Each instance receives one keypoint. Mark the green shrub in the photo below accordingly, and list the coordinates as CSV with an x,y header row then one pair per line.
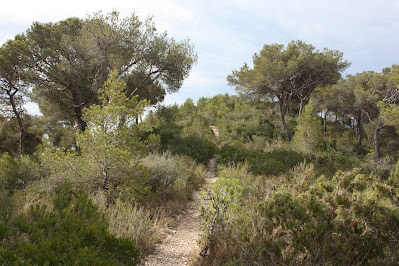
x,y
271,163
129,180
73,232
328,163
173,177
349,220
17,172
199,148
225,197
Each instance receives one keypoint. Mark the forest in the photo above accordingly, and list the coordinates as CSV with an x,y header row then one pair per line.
x,y
307,159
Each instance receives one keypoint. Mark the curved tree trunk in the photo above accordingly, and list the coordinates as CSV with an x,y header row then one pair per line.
x,y
377,140
77,109
325,120
359,128
20,124
300,107
286,130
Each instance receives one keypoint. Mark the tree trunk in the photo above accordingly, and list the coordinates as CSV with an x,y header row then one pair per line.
x,y
284,126
377,140
20,124
77,109
325,121
359,128
300,108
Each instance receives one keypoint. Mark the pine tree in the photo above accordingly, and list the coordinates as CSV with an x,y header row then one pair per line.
x,y
111,138
309,132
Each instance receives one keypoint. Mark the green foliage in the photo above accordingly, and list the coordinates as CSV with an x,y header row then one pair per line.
x,y
182,135
109,148
173,177
111,139
309,133
17,172
310,221
83,52
390,113
73,232
224,197
129,181
270,163
328,163
10,134
288,74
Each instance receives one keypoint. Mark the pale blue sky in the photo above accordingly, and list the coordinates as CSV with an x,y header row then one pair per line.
x,y
227,33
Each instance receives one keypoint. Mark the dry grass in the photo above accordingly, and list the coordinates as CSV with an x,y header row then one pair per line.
x,y
131,221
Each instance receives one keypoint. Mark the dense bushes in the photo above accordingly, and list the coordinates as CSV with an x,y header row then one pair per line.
x,y
274,162
173,177
17,172
181,133
73,231
198,148
135,190
351,219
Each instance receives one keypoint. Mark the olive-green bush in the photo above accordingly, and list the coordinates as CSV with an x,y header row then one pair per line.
x,y
73,232
173,177
348,220
271,163
17,172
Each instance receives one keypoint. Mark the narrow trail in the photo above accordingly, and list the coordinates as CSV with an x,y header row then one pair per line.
x,y
180,245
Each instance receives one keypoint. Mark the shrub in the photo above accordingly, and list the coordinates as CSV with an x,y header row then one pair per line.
x,y
17,172
130,221
328,163
271,163
173,177
351,219
129,180
198,148
73,232
225,197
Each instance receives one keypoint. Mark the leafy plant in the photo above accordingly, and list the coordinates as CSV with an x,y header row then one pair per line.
x,y
307,221
73,232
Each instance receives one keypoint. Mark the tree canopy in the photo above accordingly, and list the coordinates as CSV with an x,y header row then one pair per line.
x,y
74,57
288,74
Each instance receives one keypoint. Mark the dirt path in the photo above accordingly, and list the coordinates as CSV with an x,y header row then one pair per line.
x,y
180,245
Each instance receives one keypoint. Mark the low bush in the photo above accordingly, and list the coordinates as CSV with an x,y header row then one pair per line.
x,y
328,163
173,177
128,180
197,146
127,220
17,172
74,231
271,163
349,220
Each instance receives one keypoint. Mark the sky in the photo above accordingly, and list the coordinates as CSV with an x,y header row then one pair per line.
x,y
225,34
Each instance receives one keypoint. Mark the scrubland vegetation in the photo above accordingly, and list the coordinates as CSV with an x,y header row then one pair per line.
x,y
307,159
